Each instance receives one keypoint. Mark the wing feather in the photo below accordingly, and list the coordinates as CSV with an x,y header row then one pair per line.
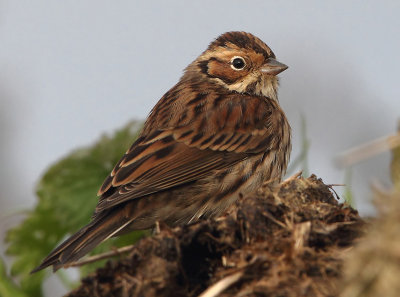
x,y
223,133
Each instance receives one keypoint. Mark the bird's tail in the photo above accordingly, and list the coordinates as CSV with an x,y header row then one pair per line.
x,y
102,227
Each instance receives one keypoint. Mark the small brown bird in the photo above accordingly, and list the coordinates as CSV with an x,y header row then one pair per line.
x,y
218,134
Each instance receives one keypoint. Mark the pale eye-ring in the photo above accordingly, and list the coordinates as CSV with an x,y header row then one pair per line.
x,y
237,63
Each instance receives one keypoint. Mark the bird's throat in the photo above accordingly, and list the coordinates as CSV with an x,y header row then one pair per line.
x,y
268,87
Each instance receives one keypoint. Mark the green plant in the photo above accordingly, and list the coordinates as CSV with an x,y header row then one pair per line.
x,y
301,161
348,192
66,199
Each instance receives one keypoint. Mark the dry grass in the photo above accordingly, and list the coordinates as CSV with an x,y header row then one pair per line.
x,y
373,266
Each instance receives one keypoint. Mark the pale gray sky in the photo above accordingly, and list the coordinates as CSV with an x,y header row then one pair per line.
x,y
72,70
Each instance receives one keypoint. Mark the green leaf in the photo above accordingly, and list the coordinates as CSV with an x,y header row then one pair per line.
x,y
7,286
66,200
301,161
348,192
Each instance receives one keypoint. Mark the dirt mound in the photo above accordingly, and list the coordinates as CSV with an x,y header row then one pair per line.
x,y
283,242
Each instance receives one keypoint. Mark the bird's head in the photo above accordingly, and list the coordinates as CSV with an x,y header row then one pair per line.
x,y
241,63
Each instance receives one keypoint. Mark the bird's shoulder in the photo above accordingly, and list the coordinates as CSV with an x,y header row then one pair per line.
x,y
210,108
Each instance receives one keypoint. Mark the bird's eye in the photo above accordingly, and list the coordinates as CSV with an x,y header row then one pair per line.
x,y
237,63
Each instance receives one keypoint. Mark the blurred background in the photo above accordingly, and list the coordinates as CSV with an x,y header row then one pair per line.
x,y
73,70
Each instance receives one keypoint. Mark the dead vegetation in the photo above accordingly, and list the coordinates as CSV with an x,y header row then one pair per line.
x,y
289,241
372,268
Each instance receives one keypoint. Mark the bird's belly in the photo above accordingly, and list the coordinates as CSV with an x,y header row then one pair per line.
x,y
226,186
207,197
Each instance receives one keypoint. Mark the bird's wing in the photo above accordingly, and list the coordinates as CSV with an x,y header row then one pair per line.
x,y
217,138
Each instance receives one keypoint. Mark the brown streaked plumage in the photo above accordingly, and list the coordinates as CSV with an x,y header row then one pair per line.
x,y
217,134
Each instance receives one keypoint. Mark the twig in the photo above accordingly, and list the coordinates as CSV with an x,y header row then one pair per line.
x,y
157,229
101,256
222,285
333,190
294,176
269,216
368,150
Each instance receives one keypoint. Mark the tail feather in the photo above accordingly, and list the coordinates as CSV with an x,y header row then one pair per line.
x,y
104,226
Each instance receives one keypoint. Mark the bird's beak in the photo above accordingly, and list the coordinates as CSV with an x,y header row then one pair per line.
x,y
273,67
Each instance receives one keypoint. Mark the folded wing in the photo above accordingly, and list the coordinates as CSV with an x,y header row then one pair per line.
x,y
218,137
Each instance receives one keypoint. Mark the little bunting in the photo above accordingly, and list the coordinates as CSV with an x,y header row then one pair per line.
x,y
217,135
